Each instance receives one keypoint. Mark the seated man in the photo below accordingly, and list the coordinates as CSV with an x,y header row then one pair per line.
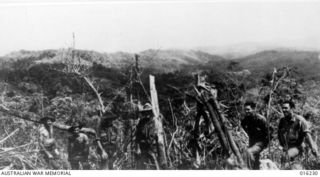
x,y
292,131
255,126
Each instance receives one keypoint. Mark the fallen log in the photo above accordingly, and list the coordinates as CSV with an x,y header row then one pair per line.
x,y
35,118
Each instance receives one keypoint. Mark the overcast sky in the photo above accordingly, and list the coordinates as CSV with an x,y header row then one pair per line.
x,y
135,26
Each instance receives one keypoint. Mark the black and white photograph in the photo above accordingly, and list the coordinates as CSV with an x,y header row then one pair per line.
x,y
159,85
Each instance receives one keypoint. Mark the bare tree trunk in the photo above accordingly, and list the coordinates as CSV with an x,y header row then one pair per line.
x,y
20,115
89,82
196,129
233,145
222,137
158,124
200,81
218,119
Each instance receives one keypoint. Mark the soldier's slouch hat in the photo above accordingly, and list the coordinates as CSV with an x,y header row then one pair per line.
x,y
45,118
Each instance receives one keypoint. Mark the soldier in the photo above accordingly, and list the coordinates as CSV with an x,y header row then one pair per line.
x,y
48,144
107,144
292,131
146,138
256,127
78,148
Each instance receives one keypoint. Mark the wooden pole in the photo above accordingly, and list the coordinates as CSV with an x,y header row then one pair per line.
x,y
157,118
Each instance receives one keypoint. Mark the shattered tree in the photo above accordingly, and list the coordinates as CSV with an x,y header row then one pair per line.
x,y
207,99
157,119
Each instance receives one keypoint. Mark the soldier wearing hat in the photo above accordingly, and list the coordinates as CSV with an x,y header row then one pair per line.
x,y
78,148
48,144
146,138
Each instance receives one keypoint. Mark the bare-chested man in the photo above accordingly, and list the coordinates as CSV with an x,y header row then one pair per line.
x,y
78,148
48,144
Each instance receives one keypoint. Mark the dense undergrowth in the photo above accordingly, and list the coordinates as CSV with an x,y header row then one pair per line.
x,y
44,89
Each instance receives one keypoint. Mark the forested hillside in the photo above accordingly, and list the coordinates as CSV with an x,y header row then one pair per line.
x,y
64,84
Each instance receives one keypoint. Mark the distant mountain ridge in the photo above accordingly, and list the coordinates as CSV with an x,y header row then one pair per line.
x,y
306,62
160,60
249,48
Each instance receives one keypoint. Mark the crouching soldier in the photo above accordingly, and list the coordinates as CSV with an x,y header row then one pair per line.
x,y
48,144
292,131
256,127
78,148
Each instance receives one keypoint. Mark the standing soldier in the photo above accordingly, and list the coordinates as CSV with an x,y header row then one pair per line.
x,y
256,127
107,144
78,148
48,143
146,138
292,131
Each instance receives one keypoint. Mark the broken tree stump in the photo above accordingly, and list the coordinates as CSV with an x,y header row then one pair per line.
x,y
157,119
221,135
227,131
208,97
